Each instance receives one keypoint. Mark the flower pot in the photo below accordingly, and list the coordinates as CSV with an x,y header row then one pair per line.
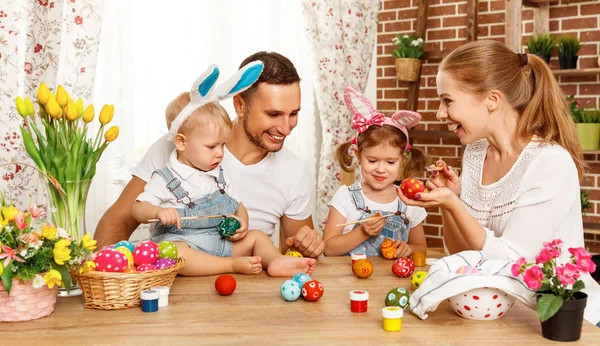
x,y
567,62
589,135
566,324
546,58
25,302
408,69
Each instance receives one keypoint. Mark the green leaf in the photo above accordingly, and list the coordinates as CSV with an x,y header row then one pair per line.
x,y
545,286
577,286
548,305
7,276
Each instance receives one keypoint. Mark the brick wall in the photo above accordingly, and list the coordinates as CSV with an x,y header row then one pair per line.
x,y
446,30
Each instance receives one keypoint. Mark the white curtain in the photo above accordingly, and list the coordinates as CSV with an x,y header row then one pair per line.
x,y
151,51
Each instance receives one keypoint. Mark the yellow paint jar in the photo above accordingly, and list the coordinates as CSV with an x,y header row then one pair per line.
x,y
392,318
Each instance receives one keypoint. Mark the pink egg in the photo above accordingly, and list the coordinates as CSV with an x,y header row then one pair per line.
x,y
145,267
164,263
145,252
109,260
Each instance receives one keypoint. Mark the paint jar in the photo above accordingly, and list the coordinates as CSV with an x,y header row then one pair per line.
x,y
149,300
419,258
392,318
164,295
359,301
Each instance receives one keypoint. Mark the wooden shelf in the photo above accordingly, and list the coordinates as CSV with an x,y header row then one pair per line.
x,y
591,151
578,72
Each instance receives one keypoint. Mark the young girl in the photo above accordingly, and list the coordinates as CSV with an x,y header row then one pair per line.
x,y
194,184
381,148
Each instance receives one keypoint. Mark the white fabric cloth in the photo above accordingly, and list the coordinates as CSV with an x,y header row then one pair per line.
x,y
442,281
277,185
342,202
197,183
538,200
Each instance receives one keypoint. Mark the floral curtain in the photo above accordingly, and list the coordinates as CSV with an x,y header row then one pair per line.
x,y
55,42
342,34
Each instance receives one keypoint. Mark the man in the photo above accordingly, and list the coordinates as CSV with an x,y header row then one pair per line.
x,y
272,182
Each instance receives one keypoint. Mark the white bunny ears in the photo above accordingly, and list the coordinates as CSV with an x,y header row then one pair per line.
x,y
204,90
365,115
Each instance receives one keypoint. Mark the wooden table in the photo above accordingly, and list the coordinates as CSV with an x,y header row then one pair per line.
x,y
257,315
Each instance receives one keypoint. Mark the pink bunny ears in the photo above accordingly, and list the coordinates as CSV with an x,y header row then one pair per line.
x,y
365,115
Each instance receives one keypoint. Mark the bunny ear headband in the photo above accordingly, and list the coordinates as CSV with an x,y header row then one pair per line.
x,y
365,115
204,90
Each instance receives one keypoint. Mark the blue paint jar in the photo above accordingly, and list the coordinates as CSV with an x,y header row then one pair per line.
x,y
149,300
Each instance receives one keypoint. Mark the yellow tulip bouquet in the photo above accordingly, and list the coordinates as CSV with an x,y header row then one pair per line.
x,y
62,150
32,249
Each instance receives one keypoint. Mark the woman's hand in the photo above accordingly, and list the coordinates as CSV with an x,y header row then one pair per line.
x,y
373,227
403,249
446,177
242,231
441,197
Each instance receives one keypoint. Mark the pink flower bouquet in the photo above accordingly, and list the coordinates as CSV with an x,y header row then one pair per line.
x,y
554,282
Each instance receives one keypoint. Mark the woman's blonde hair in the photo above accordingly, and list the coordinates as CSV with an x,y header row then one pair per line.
x,y
486,65
210,114
412,165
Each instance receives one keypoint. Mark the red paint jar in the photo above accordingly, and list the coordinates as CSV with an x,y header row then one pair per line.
x,y
355,257
359,301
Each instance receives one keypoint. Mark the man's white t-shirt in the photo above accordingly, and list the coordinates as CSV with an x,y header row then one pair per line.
x,y
277,185
342,202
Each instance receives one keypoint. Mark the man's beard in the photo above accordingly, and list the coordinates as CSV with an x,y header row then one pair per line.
x,y
257,140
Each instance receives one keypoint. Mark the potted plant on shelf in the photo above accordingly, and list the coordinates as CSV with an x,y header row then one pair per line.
x,y
408,50
585,202
568,46
560,302
587,122
541,45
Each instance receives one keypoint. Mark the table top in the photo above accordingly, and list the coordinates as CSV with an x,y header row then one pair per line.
x,y
257,315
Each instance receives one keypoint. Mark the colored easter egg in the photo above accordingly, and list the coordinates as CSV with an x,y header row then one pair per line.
x,y
124,243
301,278
468,270
290,290
397,297
417,278
403,267
225,284
228,226
125,251
109,260
411,186
145,252
312,290
145,267
164,263
130,269
363,268
388,250
167,249
293,253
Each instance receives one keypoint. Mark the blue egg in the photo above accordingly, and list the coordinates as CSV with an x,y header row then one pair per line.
x,y
301,279
290,290
125,243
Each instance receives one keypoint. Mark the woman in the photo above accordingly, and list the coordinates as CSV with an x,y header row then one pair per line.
x,y
522,162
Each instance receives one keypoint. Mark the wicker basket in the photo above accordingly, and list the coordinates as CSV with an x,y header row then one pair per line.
x,y
111,291
408,69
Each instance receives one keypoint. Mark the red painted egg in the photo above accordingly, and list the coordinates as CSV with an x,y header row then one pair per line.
x,y
145,252
225,284
312,290
411,186
403,267
109,260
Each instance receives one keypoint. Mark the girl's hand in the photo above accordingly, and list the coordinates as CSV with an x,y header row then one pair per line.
x,y
373,227
404,250
441,197
242,231
445,178
169,216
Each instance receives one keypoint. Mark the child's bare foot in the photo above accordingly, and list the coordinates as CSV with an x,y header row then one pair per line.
x,y
288,266
247,265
